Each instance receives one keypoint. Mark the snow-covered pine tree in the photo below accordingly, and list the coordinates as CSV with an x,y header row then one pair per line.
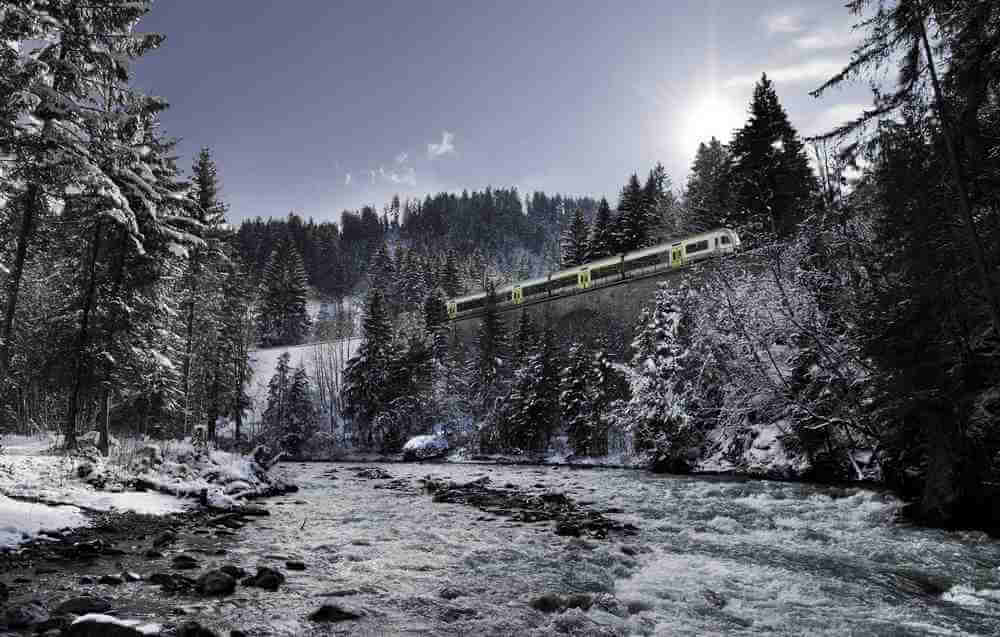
x,y
533,407
436,324
602,241
452,281
575,245
708,199
657,413
367,373
771,174
575,400
661,209
283,319
491,345
302,419
276,414
632,227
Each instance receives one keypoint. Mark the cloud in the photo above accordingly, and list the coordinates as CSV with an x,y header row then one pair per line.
x,y
445,147
783,23
347,179
825,39
401,158
406,177
812,71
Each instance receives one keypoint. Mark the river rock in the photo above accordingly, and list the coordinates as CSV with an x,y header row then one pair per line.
x,y
110,580
335,613
83,605
164,539
216,582
548,603
194,629
234,571
25,615
184,562
450,593
295,565
267,578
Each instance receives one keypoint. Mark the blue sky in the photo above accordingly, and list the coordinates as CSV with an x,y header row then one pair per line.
x,y
317,106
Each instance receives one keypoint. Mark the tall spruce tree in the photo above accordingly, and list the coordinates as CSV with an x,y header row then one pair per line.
x,y
491,345
773,182
603,242
632,226
708,199
283,319
367,373
575,242
575,400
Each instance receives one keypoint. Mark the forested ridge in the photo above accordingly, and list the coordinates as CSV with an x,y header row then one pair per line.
x,y
862,346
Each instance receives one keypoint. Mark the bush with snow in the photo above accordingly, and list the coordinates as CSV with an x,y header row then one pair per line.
x,y
425,447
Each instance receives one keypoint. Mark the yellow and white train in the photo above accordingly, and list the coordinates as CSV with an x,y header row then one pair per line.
x,y
674,254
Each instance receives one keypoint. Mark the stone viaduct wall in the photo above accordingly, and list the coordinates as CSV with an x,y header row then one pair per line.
x,y
604,315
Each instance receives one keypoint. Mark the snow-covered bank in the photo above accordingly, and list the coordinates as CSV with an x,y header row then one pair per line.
x,y
42,489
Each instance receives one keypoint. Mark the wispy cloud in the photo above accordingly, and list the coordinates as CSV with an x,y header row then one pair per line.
x,y
825,39
790,22
406,177
347,179
810,71
401,158
445,147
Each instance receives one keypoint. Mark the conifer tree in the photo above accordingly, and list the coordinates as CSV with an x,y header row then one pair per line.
x,y
491,345
632,226
575,401
575,244
708,199
367,373
661,207
302,419
602,241
773,181
534,397
451,280
283,319
276,414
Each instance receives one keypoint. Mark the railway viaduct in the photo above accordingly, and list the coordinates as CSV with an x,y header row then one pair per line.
x,y
603,315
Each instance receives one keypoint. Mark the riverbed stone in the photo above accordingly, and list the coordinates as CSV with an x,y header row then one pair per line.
x,y
83,605
295,565
104,626
233,571
110,580
328,613
184,562
451,592
25,615
216,582
267,578
548,603
194,629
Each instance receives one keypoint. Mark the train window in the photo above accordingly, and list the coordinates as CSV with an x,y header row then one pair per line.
x,y
725,239
696,247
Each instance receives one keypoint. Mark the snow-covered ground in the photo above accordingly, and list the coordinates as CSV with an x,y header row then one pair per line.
x,y
41,490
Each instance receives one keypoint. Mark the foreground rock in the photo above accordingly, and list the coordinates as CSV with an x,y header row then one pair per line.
x,y
328,613
267,578
216,583
83,606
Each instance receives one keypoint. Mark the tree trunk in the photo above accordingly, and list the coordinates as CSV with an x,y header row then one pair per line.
x,y
28,214
81,341
104,442
965,208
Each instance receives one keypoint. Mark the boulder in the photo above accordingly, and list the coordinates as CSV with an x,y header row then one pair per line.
x,y
25,615
194,629
425,448
216,582
184,562
83,606
267,578
335,613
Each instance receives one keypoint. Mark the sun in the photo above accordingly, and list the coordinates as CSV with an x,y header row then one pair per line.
x,y
704,116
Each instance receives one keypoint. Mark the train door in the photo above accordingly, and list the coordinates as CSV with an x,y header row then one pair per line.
x,y
452,309
583,278
517,295
676,255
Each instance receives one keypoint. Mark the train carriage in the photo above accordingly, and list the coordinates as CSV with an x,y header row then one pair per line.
x,y
672,254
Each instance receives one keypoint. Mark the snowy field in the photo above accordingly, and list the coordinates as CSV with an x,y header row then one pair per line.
x,y
263,362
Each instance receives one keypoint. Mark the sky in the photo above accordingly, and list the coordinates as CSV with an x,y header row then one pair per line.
x,y
315,106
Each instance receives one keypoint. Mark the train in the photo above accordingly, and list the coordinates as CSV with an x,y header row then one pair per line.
x,y
673,254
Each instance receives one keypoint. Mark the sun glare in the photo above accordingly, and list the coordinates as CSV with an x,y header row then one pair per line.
x,y
705,116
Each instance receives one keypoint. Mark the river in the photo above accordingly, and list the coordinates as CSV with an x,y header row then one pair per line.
x,y
711,556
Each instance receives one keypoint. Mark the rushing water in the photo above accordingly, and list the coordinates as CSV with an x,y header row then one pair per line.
x,y
713,556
